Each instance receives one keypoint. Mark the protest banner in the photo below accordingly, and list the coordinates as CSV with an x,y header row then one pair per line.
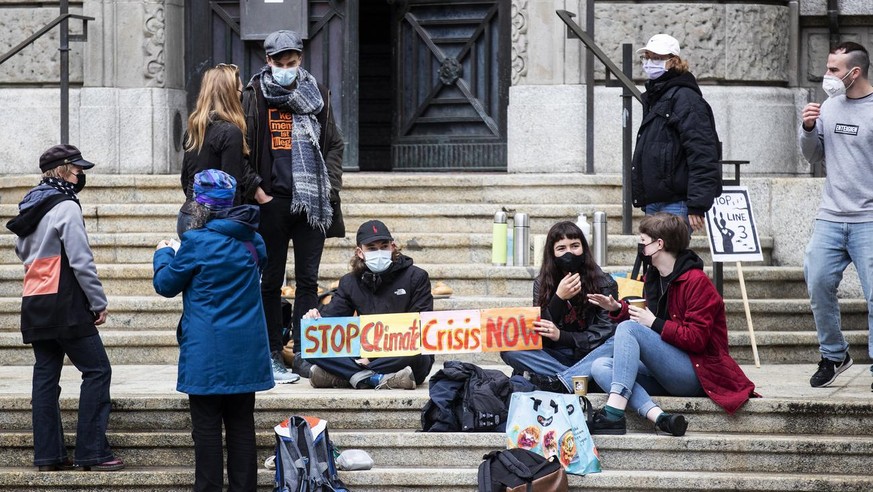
x,y
732,233
505,329
450,332
331,337
390,335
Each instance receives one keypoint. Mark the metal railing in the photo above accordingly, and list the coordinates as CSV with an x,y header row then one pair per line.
x,y
64,48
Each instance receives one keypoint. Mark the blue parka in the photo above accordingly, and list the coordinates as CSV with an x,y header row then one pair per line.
x,y
223,333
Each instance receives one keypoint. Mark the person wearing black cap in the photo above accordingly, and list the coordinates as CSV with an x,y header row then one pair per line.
x,y
382,281
62,304
286,108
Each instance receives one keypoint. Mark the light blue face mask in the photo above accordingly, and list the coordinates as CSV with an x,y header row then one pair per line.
x,y
284,76
378,261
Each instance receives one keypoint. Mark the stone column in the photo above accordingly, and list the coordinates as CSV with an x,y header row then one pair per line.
x,y
546,116
127,104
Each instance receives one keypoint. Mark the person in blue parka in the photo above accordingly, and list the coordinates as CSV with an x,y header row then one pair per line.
x,y
224,352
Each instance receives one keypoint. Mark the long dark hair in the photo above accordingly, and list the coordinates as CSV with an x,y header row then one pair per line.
x,y
551,274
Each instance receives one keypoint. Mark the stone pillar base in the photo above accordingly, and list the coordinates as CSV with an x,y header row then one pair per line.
x,y
123,131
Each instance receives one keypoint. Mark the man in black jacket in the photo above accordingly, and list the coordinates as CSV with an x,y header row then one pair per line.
x,y
382,281
676,159
297,151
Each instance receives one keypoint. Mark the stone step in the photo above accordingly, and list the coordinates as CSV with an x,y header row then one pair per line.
x,y
401,218
144,400
703,452
573,188
181,479
433,248
136,279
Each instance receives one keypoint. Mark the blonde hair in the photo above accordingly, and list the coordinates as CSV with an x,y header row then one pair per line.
x,y
680,65
60,172
218,100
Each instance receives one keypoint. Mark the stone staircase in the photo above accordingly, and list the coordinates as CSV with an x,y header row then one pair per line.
x,y
795,439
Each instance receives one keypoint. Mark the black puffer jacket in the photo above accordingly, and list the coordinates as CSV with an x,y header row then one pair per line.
x,y
676,155
403,288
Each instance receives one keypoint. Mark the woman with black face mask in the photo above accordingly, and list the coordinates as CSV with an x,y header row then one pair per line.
x,y
575,332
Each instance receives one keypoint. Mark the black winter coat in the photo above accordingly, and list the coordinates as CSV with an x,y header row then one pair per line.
x,y
676,155
260,160
403,288
582,335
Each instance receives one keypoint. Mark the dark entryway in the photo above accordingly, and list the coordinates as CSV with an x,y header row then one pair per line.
x,y
376,86
416,85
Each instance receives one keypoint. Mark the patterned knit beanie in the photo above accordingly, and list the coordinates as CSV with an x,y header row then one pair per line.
x,y
214,189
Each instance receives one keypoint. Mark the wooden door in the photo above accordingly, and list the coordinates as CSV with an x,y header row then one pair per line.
x,y
452,66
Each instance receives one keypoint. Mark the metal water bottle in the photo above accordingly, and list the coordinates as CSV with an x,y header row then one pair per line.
x,y
521,241
600,237
498,239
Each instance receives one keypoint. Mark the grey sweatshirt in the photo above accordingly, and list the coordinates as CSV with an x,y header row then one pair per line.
x,y
843,138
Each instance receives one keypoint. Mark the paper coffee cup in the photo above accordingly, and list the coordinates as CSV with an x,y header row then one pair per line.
x,y
640,303
580,385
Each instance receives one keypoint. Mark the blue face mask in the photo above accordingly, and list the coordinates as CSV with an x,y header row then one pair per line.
x,y
284,76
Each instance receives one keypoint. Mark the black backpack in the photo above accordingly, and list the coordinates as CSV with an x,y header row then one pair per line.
x,y
304,463
520,470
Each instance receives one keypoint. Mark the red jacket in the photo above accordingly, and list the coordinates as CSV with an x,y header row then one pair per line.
x,y
697,325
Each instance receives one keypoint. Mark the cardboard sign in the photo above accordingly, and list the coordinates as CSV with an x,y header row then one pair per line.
x,y
731,228
330,337
506,329
450,332
390,335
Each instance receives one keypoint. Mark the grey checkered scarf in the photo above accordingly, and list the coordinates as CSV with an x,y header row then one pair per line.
x,y
311,193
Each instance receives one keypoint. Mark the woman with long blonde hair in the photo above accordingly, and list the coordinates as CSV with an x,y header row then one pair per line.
x,y
215,138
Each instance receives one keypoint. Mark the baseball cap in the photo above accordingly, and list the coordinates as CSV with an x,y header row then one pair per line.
x,y
372,231
662,44
280,41
60,155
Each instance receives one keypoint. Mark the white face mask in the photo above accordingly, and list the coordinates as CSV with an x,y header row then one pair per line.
x,y
654,68
378,261
834,86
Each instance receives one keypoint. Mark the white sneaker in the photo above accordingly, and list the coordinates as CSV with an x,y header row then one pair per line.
x,y
281,374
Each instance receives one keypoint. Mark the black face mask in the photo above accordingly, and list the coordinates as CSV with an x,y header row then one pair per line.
x,y
646,259
570,263
80,183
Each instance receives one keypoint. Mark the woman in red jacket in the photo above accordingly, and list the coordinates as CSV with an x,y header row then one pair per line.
x,y
677,345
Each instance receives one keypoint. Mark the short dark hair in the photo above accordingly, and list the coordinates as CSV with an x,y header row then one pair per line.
x,y
669,228
858,56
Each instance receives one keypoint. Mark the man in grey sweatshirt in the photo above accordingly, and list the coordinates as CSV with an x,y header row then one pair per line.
x,y
839,133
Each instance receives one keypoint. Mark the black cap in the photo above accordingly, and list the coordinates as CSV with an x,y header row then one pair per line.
x,y
280,41
372,231
60,155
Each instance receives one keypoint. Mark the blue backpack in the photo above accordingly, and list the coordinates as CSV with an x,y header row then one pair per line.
x,y
304,457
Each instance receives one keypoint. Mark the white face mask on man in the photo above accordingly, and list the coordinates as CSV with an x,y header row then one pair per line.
x,y
834,86
654,68
378,261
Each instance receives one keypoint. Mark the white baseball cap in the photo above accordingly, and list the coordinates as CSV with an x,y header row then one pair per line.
x,y
662,44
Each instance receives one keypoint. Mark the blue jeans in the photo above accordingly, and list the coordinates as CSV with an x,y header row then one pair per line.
x,y
89,357
556,361
676,208
831,248
642,364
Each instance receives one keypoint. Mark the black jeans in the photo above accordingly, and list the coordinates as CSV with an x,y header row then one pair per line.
x,y
346,367
89,357
278,226
237,412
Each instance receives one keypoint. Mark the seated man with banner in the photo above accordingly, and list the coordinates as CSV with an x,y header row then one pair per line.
x,y
382,280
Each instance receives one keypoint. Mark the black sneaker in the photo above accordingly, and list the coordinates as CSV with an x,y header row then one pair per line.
x,y
828,370
547,383
672,424
600,425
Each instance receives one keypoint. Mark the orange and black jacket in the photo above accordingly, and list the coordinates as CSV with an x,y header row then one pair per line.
x,y
61,290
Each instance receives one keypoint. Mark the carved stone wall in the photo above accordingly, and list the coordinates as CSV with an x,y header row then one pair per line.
x,y
519,41
847,7
723,42
40,62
